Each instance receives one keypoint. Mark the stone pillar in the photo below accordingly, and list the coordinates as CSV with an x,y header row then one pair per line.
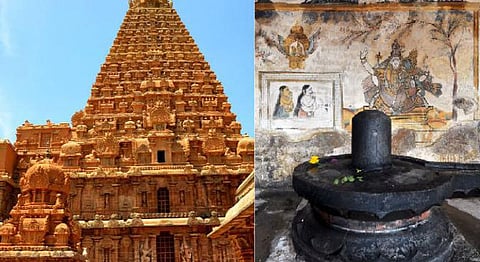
x,y
125,248
96,249
152,204
137,198
202,195
230,249
221,250
190,195
33,196
205,248
136,247
178,239
173,196
153,246
214,249
195,248
116,248
196,194
207,194
115,199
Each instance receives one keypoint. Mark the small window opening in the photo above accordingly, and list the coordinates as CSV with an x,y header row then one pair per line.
x,y
161,156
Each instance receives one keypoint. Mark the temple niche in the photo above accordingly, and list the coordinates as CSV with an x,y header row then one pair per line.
x,y
149,166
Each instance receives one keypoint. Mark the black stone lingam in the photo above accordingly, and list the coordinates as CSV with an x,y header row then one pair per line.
x,y
372,206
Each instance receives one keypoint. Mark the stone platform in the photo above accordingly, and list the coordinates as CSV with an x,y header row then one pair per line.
x,y
275,209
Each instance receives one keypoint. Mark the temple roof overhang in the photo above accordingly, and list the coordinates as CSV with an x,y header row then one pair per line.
x,y
240,213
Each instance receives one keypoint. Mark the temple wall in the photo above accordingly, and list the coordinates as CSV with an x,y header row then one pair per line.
x,y
124,196
8,157
141,244
8,188
318,65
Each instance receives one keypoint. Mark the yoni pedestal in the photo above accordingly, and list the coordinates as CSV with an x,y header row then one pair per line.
x,y
372,206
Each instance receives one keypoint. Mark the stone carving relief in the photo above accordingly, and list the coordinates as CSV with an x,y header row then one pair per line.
x,y
40,218
34,230
186,253
108,145
136,220
159,117
188,125
62,233
146,251
77,118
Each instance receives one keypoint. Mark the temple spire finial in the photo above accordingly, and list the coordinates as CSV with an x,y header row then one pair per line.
x,y
150,3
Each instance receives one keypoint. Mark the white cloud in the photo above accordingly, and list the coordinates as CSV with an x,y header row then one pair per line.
x,y
5,42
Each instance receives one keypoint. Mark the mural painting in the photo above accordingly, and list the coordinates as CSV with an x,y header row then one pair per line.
x,y
401,62
297,46
396,85
300,100
284,105
305,107
418,64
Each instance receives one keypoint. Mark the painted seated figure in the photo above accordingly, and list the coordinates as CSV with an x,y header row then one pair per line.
x,y
397,85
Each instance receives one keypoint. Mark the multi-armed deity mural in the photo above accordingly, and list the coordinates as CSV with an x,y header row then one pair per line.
x,y
417,63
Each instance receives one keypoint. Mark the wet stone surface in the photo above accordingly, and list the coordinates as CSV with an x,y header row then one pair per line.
x,y
406,174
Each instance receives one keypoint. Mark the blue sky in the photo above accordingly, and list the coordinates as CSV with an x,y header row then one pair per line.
x,y
52,50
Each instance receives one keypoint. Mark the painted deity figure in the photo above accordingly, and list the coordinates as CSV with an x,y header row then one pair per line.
x,y
396,85
296,48
284,105
306,103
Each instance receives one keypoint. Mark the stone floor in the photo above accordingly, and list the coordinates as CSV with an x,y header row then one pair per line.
x,y
275,209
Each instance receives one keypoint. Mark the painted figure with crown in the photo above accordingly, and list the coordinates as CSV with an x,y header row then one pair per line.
x,y
396,85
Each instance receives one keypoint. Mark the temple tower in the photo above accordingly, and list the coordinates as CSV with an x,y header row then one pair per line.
x,y
156,156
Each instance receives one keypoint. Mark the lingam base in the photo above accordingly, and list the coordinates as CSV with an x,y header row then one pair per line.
x,y
318,240
371,206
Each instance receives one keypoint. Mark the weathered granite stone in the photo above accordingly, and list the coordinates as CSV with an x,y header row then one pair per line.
x,y
277,154
461,140
403,140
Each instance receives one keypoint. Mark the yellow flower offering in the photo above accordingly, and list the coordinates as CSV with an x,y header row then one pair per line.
x,y
314,160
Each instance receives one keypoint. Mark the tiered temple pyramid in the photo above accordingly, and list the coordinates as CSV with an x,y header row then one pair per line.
x,y
154,161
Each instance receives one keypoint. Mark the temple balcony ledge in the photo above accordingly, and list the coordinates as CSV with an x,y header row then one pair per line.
x,y
132,171
155,170
150,222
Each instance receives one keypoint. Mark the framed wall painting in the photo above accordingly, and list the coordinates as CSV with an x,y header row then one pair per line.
x,y
299,100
